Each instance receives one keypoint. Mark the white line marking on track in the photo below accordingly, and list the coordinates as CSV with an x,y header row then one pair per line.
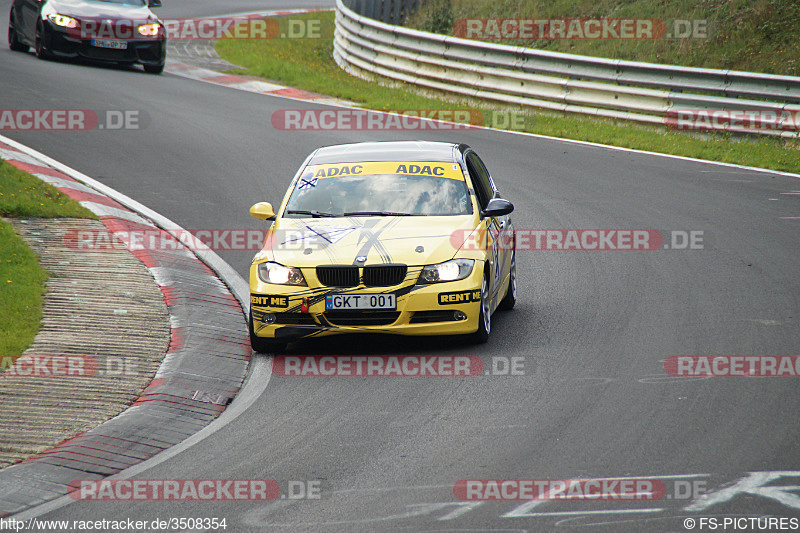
x,y
577,513
766,322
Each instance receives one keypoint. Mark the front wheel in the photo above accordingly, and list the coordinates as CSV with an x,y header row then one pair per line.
x,y
41,49
485,315
262,345
13,39
154,69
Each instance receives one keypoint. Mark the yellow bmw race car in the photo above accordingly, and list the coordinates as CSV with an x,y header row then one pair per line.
x,y
409,238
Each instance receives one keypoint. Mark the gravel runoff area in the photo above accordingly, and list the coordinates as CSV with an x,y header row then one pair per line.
x,y
103,314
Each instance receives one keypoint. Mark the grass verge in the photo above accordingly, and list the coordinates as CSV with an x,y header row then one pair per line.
x,y
308,64
22,280
748,35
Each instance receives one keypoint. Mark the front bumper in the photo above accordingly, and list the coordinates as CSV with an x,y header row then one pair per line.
x,y
421,309
145,51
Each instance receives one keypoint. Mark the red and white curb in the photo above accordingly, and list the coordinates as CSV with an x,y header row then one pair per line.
x,y
249,85
204,368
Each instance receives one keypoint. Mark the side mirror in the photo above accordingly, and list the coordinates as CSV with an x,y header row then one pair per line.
x,y
154,3
497,207
262,211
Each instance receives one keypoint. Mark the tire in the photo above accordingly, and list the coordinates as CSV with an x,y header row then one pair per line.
x,y
485,315
262,345
508,301
41,51
13,39
154,69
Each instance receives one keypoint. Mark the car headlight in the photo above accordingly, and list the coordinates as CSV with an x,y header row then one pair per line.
x,y
278,274
150,30
63,20
452,270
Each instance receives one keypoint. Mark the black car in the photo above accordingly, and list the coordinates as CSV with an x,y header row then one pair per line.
x,y
115,31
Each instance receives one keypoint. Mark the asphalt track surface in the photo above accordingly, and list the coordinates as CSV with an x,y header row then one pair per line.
x,y
593,327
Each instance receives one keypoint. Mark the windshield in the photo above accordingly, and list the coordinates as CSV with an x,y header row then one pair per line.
x,y
375,189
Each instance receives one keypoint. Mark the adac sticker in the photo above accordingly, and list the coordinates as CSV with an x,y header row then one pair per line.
x,y
408,168
269,301
460,297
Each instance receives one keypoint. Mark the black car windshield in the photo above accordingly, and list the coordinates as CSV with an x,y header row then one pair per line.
x,y
380,189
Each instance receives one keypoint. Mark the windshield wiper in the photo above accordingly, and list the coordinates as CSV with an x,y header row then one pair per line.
x,y
376,214
313,213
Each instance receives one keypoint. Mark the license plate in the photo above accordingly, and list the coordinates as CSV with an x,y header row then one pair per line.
x,y
105,43
360,302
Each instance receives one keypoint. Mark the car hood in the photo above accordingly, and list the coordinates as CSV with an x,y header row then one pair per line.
x,y
409,240
95,10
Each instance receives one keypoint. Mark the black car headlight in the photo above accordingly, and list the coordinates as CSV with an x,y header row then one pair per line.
x,y
62,20
452,270
277,274
149,30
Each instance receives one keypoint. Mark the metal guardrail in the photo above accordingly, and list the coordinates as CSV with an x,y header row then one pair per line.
x,y
643,92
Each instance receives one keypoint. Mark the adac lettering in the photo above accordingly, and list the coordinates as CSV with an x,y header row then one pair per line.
x,y
269,301
461,297
422,170
339,171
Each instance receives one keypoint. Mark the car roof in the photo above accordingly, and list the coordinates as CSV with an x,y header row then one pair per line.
x,y
385,151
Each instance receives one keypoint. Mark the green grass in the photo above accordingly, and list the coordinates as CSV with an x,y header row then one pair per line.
x,y
23,195
22,280
21,289
749,35
308,64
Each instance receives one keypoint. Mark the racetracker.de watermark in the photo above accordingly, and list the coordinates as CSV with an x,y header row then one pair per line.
x,y
244,27
534,29
72,119
626,489
734,120
79,366
733,365
393,120
632,488
395,366
628,240
176,489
